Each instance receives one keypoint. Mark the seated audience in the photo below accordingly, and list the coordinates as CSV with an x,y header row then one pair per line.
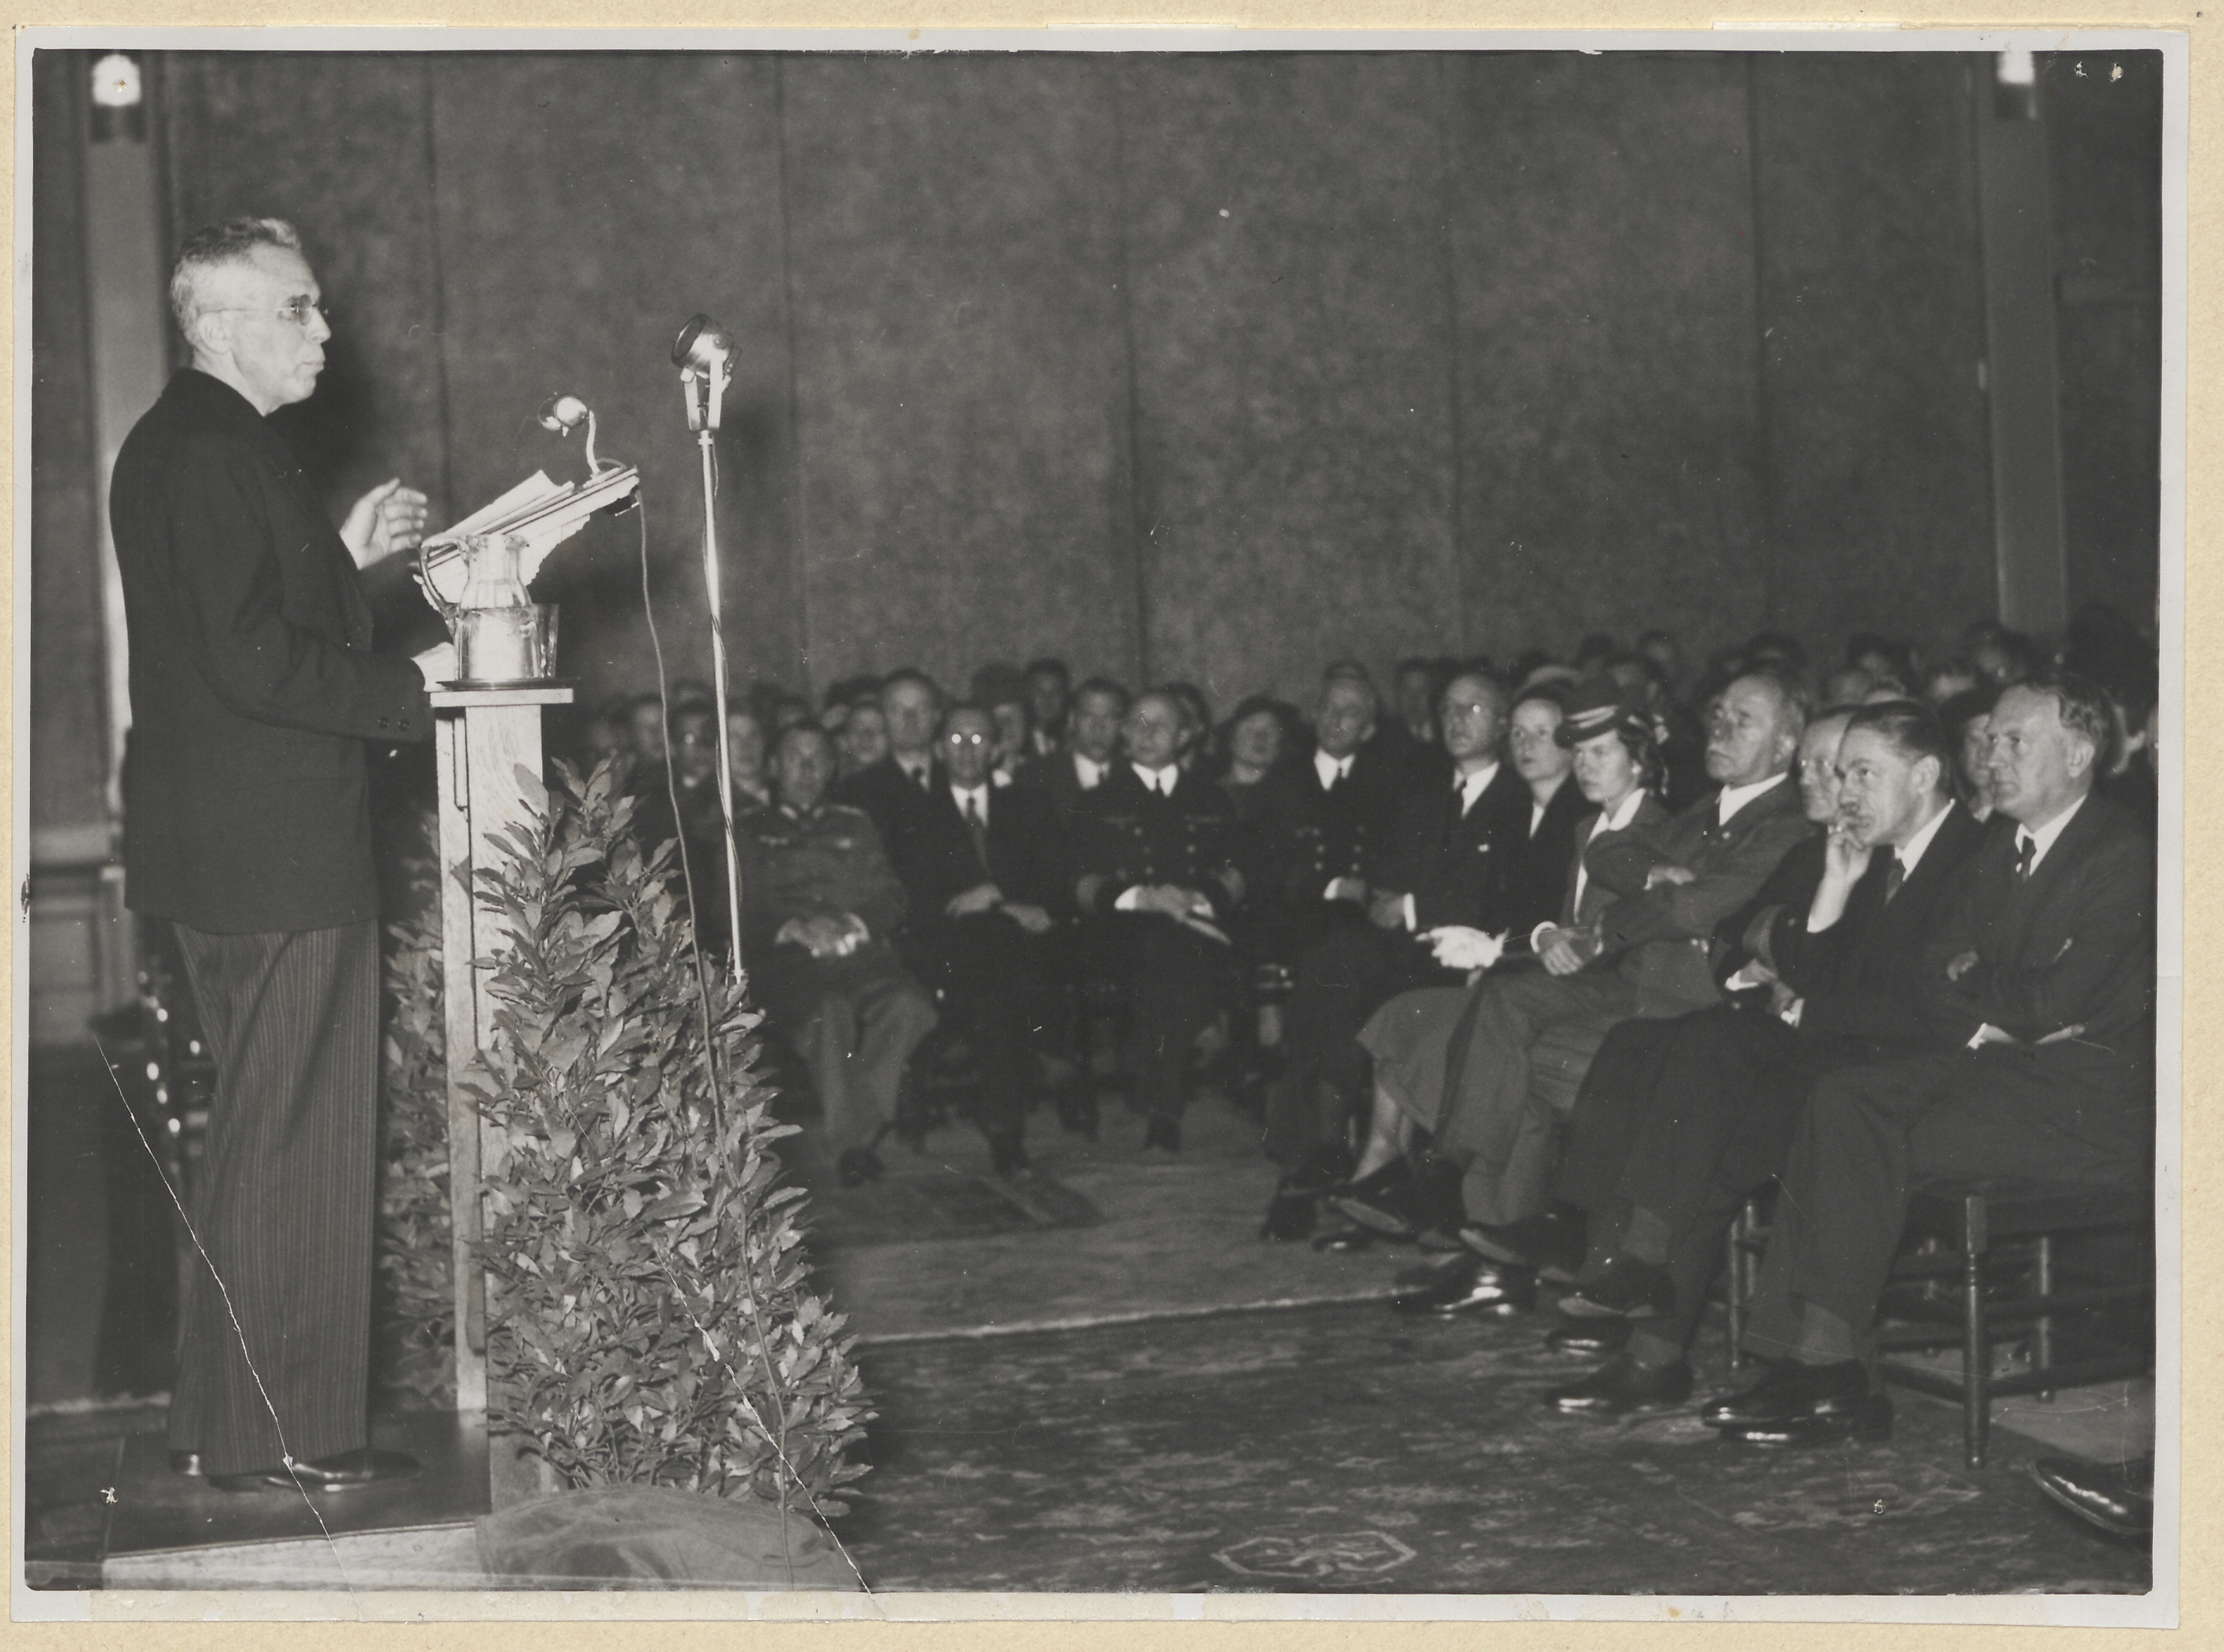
x,y
1003,690
690,777
1260,736
1966,718
2037,991
863,737
1518,1052
820,907
1158,852
745,747
987,876
1454,854
1669,1139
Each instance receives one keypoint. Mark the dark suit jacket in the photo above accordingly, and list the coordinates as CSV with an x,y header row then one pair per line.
x,y
253,685
2073,944
1857,978
1461,869
1028,858
889,795
1308,835
1124,833
1661,934
1054,777
1546,877
1597,896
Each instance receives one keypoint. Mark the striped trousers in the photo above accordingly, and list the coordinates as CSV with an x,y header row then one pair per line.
x,y
284,1205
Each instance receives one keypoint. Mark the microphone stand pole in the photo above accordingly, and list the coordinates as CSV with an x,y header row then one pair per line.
x,y
702,419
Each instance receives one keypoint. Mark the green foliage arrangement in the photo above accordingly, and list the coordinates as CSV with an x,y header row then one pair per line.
x,y
414,1312
651,1320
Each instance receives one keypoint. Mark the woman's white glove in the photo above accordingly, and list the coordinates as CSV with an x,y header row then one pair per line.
x,y
1457,948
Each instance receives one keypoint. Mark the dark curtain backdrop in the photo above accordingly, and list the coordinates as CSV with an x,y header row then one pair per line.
x,y
1212,367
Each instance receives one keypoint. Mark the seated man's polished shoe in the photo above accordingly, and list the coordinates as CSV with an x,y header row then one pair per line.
x,y
1867,1418
1343,1240
1382,1200
1163,1134
1622,1385
859,1165
1791,1390
1290,1214
1551,1244
343,1471
1322,1170
2118,1497
1627,1289
186,1463
1590,1338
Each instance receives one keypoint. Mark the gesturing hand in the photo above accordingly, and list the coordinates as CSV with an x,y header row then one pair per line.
x,y
980,898
1035,919
388,518
1667,874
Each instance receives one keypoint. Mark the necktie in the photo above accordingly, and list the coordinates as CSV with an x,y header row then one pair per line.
x,y
1335,778
1894,876
2026,846
922,777
977,829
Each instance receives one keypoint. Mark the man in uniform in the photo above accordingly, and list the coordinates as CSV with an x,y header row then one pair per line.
x,y
820,906
248,826
1158,850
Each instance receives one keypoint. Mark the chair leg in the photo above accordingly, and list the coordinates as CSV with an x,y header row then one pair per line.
x,y
1976,1355
2041,1330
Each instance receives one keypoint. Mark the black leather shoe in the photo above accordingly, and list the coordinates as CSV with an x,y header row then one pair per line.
x,y
1007,1155
1622,1385
1627,1287
1868,1418
1791,1389
2118,1497
1589,1338
1322,1170
1382,1200
1162,1133
186,1463
1551,1244
342,1472
859,1165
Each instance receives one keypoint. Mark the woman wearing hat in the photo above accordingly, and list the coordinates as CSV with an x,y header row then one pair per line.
x,y
1617,769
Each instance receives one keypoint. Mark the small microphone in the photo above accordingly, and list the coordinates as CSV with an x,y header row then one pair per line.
x,y
562,413
702,344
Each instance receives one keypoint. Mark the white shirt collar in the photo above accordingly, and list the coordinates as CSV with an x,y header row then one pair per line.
x,y
916,766
1473,786
1733,798
1910,853
1330,769
978,794
1088,771
2045,837
1623,813
1158,780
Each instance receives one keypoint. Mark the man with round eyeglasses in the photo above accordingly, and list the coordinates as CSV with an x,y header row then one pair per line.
x,y
247,827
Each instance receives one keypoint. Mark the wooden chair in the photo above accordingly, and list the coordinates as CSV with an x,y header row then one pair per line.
x,y
1983,1237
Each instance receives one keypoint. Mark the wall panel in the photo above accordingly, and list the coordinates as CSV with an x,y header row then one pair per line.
x,y
960,368
588,204
1880,513
1602,219
1292,339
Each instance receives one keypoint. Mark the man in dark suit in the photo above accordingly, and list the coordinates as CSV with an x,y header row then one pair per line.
x,y
988,879
1066,774
247,826
1158,853
1455,855
893,790
1533,1035
2037,988
1819,968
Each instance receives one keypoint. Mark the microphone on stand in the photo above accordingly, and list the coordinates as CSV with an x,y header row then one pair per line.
x,y
703,353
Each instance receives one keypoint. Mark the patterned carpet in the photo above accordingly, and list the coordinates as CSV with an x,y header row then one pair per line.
x,y
1345,1449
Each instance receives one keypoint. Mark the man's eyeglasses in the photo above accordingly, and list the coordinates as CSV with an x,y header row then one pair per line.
x,y
296,310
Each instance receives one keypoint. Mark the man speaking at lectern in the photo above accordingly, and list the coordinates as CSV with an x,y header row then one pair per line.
x,y
247,824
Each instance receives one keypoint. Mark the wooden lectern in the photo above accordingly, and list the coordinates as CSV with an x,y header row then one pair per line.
x,y
485,735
